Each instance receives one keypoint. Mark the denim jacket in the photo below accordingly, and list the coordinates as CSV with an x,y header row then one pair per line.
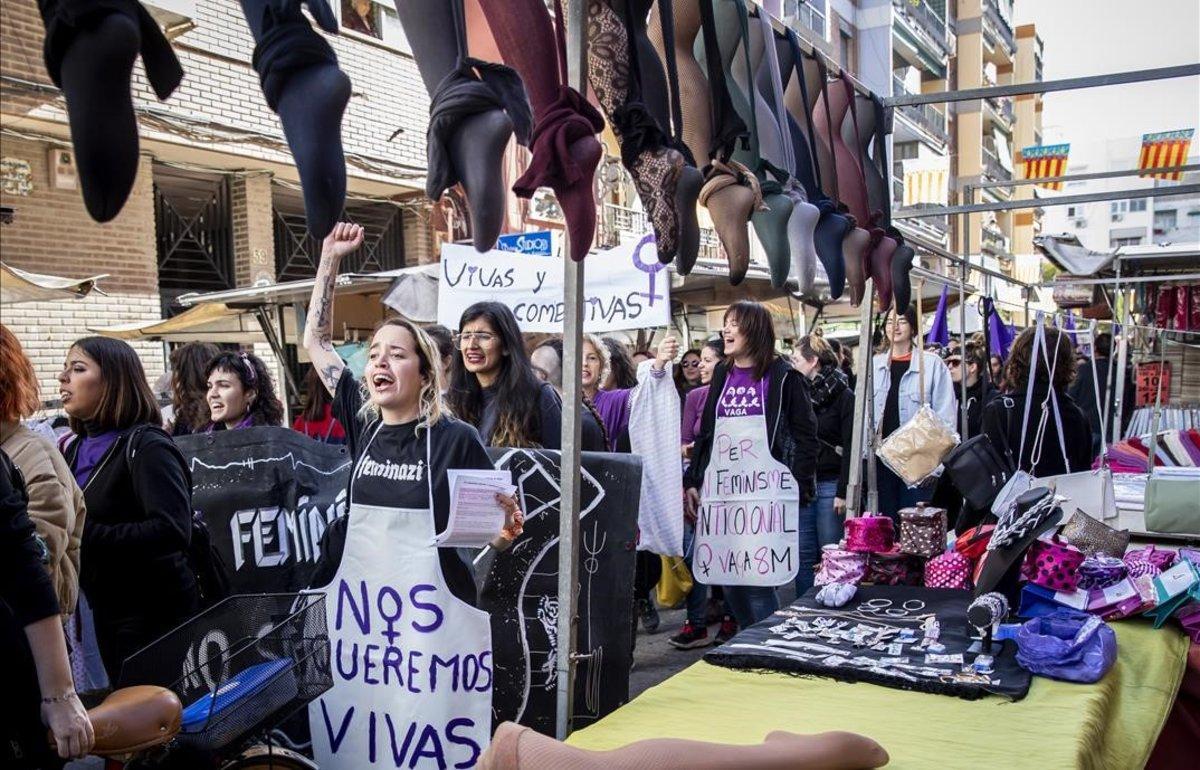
x,y
938,385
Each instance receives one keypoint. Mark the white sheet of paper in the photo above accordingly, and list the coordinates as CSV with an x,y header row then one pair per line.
x,y
475,516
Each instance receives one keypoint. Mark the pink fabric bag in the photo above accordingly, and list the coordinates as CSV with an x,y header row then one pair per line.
x,y
949,570
1053,564
840,566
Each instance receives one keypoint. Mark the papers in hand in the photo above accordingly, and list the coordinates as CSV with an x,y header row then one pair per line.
x,y
475,516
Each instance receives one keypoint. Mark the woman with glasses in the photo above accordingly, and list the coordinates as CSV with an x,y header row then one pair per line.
x,y
687,376
897,398
757,425
494,388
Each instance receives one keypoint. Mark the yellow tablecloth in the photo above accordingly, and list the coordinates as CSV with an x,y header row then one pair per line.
x,y
1111,724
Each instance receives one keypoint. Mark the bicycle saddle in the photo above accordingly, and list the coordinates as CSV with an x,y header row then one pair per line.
x,y
134,719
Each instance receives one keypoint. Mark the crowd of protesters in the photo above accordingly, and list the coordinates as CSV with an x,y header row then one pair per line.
x,y
97,521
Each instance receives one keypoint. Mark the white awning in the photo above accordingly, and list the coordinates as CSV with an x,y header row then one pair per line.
x,y
18,285
209,322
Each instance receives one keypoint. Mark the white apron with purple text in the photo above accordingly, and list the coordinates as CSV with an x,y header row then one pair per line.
x,y
746,524
412,663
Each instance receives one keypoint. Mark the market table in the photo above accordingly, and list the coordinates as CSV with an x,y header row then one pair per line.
x,y
1111,724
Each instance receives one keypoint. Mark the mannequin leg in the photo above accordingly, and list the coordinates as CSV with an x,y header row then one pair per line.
x,y
304,86
852,256
881,270
476,144
829,238
901,266
524,32
89,53
515,746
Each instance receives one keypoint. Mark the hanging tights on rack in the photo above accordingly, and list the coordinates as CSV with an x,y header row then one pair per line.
x,y
303,84
832,228
89,51
802,225
475,107
564,144
770,223
878,256
731,190
667,183
845,181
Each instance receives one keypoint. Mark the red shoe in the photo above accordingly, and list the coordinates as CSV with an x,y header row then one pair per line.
x,y
690,638
729,629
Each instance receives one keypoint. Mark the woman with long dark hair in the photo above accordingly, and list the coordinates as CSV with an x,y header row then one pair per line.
x,y
189,386
687,375
833,403
494,388
316,420
622,372
241,393
1065,442
761,410
138,491
404,444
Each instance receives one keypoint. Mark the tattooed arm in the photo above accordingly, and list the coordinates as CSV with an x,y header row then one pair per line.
x,y
318,328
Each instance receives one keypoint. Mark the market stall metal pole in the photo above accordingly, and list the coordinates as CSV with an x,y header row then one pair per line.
x,y
1063,200
1116,390
568,522
1087,177
1044,86
861,393
969,197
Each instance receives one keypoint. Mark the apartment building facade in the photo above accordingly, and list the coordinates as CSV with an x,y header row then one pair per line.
x,y
216,204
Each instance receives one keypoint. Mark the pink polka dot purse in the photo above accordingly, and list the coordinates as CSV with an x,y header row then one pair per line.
x,y
1053,564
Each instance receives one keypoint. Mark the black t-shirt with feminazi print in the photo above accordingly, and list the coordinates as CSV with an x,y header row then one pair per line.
x,y
394,473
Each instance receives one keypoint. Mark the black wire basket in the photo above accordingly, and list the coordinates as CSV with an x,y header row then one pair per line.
x,y
241,666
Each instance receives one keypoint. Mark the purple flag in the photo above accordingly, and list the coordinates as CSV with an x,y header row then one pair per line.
x,y
1069,328
939,332
1000,334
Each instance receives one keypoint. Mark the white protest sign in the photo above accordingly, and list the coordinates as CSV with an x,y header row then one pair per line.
x,y
749,513
624,288
411,663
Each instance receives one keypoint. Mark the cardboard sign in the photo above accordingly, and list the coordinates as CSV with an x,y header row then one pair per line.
x,y
1149,378
625,287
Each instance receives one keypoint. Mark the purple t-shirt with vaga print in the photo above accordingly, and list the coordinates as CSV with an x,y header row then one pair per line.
x,y
743,395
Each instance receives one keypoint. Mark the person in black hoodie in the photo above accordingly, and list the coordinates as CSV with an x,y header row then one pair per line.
x,y
980,392
833,402
754,382
1083,390
134,566
1004,417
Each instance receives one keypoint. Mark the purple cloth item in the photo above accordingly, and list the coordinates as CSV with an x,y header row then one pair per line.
x,y
743,395
1000,335
1101,572
939,332
613,408
693,409
91,451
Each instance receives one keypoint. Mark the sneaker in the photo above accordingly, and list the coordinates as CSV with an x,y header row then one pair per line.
x,y
649,615
729,629
690,638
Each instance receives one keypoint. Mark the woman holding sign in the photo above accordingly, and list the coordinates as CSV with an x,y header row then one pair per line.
x,y
396,603
753,467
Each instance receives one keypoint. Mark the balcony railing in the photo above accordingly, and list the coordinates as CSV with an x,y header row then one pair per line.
x,y
1000,20
1003,109
926,116
993,169
802,16
994,240
620,220
926,20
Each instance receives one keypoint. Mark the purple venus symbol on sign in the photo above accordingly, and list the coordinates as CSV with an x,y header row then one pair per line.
x,y
651,268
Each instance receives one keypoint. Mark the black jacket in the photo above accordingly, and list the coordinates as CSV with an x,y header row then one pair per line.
x,y
835,429
1083,391
978,396
26,596
1002,423
791,427
134,565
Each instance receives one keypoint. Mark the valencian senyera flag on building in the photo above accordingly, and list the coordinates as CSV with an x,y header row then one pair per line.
x,y
1166,149
1044,161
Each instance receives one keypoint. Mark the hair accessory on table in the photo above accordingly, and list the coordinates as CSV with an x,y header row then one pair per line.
x,y
949,570
870,534
1100,572
1053,564
923,530
836,594
840,566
